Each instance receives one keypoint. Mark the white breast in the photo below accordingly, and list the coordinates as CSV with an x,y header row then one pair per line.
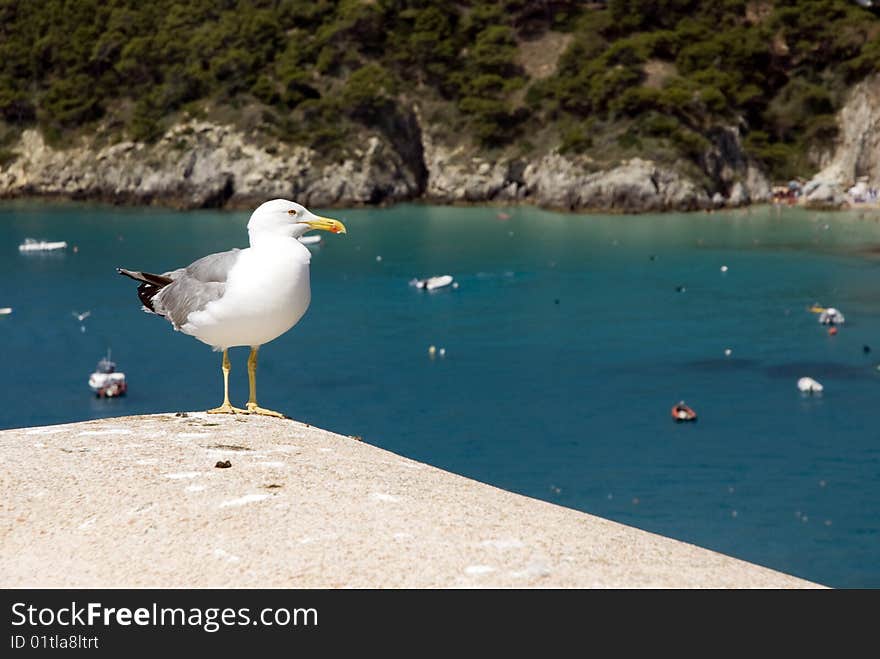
x,y
267,292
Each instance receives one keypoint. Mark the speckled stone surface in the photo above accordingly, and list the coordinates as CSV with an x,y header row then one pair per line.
x,y
139,502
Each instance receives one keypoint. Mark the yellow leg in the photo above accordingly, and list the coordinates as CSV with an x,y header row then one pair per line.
x,y
226,407
252,406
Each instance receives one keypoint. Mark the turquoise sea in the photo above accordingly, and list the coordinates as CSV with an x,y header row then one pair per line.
x,y
566,343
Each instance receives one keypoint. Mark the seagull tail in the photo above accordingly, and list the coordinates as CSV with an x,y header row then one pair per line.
x,y
148,277
150,285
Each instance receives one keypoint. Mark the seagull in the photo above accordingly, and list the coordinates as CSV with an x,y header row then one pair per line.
x,y
243,297
81,317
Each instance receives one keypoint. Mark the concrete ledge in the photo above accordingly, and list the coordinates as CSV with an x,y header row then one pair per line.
x,y
138,502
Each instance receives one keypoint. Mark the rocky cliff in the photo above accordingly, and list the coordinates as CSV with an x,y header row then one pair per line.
x,y
856,153
200,164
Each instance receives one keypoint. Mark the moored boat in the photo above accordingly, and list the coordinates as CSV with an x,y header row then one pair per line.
x,y
432,283
809,386
33,245
682,412
106,381
831,316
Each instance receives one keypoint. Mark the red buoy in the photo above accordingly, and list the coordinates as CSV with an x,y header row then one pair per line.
x,y
832,331
681,412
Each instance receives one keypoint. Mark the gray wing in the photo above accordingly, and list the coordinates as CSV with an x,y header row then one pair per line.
x,y
195,286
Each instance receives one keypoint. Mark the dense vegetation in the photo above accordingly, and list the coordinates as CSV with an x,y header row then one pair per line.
x,y
635,75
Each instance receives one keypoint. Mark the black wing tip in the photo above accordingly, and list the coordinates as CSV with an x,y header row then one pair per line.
x,y
148,286
146,292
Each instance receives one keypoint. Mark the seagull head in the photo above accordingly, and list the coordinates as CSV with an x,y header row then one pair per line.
x,y
281,217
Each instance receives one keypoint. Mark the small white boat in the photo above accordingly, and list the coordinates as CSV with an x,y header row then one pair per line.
x,y
33,245
831,316
106,381
809,386
431,283
5,311
310,240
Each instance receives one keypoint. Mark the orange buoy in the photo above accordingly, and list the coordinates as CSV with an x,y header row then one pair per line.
x,y
832,331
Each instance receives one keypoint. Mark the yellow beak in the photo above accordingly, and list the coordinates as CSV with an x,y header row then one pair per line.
x,y
326,224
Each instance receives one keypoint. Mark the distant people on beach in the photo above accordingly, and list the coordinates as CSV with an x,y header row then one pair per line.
x,y
788,194
794,192
862,193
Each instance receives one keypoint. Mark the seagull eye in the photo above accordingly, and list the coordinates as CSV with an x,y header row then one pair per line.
x,y
291,212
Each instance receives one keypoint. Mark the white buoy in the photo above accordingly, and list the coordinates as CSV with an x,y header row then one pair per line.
x,y
723,268
809,386
378,258
728,352
432,350
442,352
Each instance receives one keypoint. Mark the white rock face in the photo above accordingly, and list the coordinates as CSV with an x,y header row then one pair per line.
x,y
739,195
635,185
454,176
857,152
201,164
577,183
822,194
757,185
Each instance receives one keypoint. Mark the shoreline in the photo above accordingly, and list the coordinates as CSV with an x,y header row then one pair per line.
x,y
68,200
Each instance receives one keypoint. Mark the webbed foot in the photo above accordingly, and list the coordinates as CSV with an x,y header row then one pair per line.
x,y
226,408
253,408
